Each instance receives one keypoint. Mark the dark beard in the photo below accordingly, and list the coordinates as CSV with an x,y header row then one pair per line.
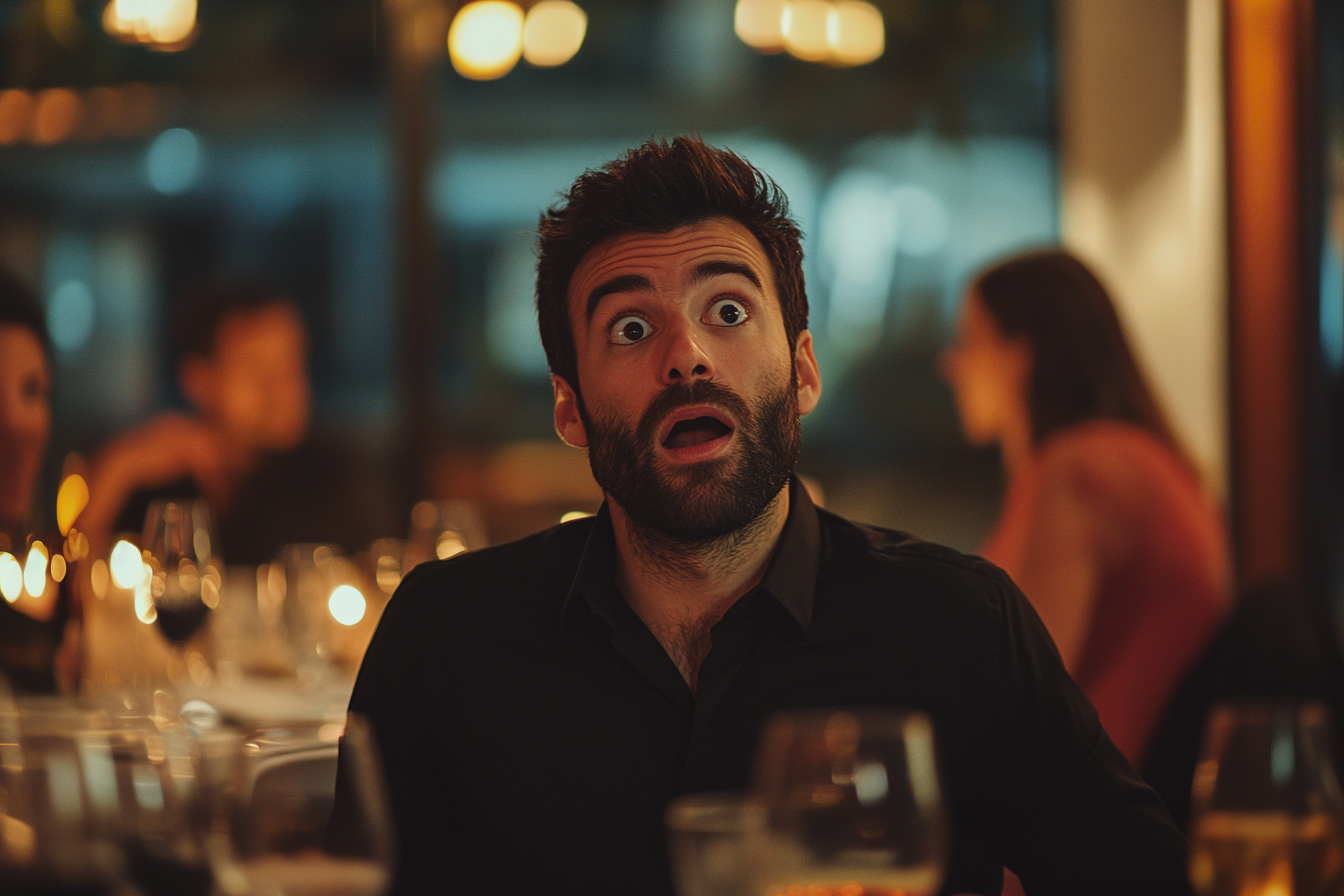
x,y
705,501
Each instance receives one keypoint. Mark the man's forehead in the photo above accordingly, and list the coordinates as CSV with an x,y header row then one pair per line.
x,y
685,247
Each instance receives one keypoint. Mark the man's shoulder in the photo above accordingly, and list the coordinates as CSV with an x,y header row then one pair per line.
x,y
881,550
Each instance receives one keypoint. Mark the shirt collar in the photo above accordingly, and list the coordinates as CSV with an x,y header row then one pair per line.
x,y
791,577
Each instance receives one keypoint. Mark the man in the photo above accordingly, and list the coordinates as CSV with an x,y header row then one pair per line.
x,y
539,703
242,364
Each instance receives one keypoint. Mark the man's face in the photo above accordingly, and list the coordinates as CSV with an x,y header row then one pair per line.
x,y
691,394
254,387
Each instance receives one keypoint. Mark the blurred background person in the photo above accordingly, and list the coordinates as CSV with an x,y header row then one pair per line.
x,y
38,635
242,365
1104,523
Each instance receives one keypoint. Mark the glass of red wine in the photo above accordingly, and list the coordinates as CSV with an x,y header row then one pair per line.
x,y
180,546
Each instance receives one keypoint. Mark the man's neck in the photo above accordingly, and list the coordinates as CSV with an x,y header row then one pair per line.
x,y
681,589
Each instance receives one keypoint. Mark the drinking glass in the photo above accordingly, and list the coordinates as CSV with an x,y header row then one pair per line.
x,y
706,839
442,529
184,577
95,801
1265,804
293,834
847,803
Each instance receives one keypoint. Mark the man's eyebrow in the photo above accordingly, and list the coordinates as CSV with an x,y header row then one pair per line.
x,y
709,269
623,283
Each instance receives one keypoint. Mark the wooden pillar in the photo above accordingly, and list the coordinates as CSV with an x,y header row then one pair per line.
x,y
1270,335
414,31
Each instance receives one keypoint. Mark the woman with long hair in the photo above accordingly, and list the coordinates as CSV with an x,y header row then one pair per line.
x,y
38,636
1104,523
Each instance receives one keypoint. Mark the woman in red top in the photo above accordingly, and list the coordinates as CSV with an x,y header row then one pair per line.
x,y
1104,524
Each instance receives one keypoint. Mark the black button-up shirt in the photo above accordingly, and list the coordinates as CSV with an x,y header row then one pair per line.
x,y
534,730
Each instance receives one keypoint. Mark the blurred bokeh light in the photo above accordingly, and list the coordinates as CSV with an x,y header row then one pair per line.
x,y
856,33
163,24
760,24
807,24
553,32
485,40
56,115
173,161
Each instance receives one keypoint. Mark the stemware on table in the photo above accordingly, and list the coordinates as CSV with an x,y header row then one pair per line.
x,y
847,803
1266,812
293,833
184,577
97,799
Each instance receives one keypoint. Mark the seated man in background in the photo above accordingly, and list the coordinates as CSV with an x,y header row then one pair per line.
x,y
242,356
539,703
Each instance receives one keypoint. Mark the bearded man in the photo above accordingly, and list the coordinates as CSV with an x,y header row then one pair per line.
x,y
539,703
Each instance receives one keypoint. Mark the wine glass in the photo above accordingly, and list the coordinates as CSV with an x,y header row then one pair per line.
x,y
442,529
1266,811
92,801
51,839
848,803
706,840
184,577
294,833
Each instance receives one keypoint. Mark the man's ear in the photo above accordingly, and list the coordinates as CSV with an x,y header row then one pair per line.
x,y
809,374
568,421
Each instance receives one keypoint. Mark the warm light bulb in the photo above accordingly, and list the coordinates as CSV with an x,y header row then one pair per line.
x,y
35,570
806,24
175,22
127,566
346,604
485,40
760,24
11,577
553,32
855,33
165,24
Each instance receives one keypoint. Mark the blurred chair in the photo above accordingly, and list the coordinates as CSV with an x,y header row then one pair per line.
x,y
1275,645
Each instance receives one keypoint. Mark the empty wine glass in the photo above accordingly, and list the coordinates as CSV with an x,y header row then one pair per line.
x,y
50,835
442,529
184,577
706,839
848,803
293,833
1266,811
92,801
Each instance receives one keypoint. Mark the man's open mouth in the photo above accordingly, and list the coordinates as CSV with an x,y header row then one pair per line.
x,y
695,431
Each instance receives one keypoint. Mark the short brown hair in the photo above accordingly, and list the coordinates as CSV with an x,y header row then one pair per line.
x,y
656,188
1082,366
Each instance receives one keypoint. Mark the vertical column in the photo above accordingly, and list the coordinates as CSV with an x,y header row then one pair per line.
x,y
1268,333
412,29
1143,194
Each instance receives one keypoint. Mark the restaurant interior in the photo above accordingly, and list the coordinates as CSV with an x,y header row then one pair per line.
x,y
382,165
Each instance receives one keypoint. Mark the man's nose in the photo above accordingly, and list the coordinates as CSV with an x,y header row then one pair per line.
x,y
686,359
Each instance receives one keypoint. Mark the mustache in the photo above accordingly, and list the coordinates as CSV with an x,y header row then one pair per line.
x,y
682,395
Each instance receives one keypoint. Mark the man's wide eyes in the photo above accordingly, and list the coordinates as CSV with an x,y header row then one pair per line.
x,y
629,330
727,313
